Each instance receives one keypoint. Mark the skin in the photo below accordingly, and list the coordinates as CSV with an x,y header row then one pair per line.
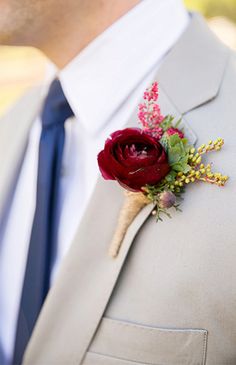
x,y
59,28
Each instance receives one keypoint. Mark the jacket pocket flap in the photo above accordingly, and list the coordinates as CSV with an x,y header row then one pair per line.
x,y
151,345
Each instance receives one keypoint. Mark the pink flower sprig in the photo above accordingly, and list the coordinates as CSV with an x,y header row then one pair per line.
x,y
149,112
151,93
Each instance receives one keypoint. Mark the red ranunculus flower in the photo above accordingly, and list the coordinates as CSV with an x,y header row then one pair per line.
x,y
133,158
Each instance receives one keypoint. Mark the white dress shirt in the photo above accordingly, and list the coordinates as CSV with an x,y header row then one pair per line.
x,y
103,85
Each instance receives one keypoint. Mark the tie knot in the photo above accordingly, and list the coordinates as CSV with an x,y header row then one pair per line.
x,y
56,108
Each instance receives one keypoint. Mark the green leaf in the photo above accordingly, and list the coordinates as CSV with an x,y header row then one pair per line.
x,y
164,142
178,153
171,176
167,122
174,139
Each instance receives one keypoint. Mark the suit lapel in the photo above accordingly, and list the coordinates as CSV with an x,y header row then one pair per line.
x,y
14,130
88,275
192,71
92,273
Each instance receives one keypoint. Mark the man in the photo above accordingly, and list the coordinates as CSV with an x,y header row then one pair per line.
x,y
169,296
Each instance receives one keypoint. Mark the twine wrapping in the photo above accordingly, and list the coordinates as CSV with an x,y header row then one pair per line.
x,y
133,204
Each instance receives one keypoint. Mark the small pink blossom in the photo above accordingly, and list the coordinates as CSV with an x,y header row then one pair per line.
x,y
149,112
157,132
173,130
151,93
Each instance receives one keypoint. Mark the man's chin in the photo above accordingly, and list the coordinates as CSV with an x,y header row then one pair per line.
x,y
5,40
12,39
8,37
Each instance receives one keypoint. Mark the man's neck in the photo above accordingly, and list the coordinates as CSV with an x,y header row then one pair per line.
x,y
76,31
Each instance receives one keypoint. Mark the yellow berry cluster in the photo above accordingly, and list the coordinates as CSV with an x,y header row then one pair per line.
x,y
200,171
203,173
211,146
194,158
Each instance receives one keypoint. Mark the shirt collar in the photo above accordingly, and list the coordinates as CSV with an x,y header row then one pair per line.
x,y
105,73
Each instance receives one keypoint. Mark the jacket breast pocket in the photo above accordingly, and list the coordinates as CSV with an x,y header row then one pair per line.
x,y
123,343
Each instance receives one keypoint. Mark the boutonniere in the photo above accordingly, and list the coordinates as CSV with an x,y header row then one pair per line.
x,y
154,164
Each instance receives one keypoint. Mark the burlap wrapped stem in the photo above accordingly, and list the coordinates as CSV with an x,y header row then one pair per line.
x,y
133,204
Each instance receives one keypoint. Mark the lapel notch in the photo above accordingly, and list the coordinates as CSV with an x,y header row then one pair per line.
x,y
193,70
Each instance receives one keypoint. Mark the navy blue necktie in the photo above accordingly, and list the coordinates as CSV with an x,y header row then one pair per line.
x,y
44,230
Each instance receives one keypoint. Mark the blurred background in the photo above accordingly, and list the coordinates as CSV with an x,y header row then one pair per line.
x,y
22,67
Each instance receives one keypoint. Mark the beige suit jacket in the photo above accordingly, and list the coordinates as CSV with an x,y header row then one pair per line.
x,y
169,298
